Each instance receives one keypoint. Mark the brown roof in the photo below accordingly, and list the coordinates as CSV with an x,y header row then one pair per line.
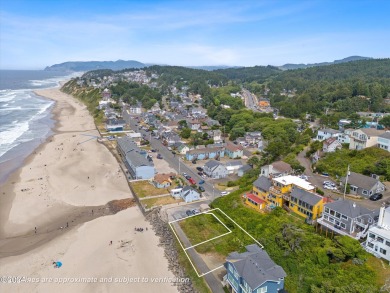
x,y
330,140
233,147
372,131
161,178
281,166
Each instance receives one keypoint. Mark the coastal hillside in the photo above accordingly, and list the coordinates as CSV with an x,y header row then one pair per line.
x,y
93,65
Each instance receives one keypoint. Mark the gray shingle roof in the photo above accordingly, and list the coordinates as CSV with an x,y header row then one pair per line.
x,y
348,208
360,180
308,197
234,163
212,164
385,135
256,266
137,160
263,183
330,130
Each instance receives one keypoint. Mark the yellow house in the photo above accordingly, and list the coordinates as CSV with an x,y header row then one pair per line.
x,y
279,192
254,202
306,204
261,187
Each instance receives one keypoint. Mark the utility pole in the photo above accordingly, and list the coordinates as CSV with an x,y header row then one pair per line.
x,y
346,182
179,165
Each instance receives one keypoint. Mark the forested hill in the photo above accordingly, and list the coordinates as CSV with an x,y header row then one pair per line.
x,y
249,74
94,65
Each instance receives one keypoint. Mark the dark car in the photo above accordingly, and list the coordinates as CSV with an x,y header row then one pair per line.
x,y
199,169
201,188
189,213
153,150
187,177
200,173
193,161
159,156
376,196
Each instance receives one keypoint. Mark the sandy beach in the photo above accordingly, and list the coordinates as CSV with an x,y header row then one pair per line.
x,y
56,191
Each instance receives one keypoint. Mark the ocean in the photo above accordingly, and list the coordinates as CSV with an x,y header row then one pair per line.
x,y
25,118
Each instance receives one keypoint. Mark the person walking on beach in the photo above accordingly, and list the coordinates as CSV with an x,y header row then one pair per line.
x,y
35,230
67,225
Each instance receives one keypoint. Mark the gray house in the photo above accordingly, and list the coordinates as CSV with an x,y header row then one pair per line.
x,y
363,185
243,170
135,159
215,170
188,194
253,271
345,217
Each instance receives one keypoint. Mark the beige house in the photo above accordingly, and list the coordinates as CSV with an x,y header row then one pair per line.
x,y
364,138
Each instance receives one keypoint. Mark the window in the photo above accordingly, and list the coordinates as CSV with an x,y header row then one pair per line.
x,y
344,217
365,192
327,210
331,220
262,290
388,243
343,225
370,245
332,212
379,239
383,251
326,217
371,235
338,215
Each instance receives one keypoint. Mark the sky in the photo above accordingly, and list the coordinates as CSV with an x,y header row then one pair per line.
x,y
35,34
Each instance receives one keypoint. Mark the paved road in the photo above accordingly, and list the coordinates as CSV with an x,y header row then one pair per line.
x,y
214,284
250,100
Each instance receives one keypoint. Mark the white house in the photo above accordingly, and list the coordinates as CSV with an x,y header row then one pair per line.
x,y
330,145
364,138
345,136
378,240
326,133
176,192
135,109
233,166
384,141
188,194
215,169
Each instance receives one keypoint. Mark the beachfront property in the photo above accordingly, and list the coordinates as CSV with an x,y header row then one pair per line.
x,y
326,133
189,194
276,169
206,153
234,151
176,192
163,180
261,187
364,138
215,170
306,204
330,145
345,217
253,271
136,137
280,191
233,166
378,240
115,125
135,159
363,185
254,202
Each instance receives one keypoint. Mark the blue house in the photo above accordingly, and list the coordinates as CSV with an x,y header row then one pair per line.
x,y
188,194
115,125
234,151
206,153
135,159
253,271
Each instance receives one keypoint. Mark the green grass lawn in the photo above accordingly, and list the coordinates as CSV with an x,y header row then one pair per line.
x,y
145,189
164,200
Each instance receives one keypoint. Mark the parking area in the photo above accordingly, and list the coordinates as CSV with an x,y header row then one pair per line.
x,y
161,165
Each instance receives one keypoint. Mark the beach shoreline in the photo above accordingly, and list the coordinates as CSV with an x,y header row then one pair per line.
x,y
58,197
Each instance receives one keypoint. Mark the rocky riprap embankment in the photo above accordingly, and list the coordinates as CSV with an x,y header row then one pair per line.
x,y
167,241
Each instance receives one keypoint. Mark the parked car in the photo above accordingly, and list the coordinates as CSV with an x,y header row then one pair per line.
x,y
159,156
193,161
201,182
153,150
189,212
184,174
195,211
199,169
224,193
325,174
187,177
201,188
304,177
376,196
192,181
200,173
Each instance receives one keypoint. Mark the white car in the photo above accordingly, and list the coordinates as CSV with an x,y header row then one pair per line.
x,y
224,193
304,177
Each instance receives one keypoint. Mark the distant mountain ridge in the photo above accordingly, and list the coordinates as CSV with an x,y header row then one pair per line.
x,y
298,66
94,65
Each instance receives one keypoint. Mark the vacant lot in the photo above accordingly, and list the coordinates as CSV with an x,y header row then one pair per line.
x,y
202,228
145,189
164,200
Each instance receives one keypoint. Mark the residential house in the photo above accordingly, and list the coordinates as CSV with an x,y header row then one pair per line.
x,y
253,138
330,145
384,141
280,191
193,124
243,170
261,187
255,202
378,240
206,153
211,122
344,137
135,159
176,192
276,169
233,166
155,108
135,109
215,169
163,180
115,125
253,271
106,94
189,194
234,151
182,148
215,135
240,141
306,204
363,185
326,133
364,138
170,138
136,137
345,217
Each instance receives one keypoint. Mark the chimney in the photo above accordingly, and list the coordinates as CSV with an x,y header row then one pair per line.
x,y
381,216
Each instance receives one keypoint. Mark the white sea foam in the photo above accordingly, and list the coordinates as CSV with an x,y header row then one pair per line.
x,y
10,135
